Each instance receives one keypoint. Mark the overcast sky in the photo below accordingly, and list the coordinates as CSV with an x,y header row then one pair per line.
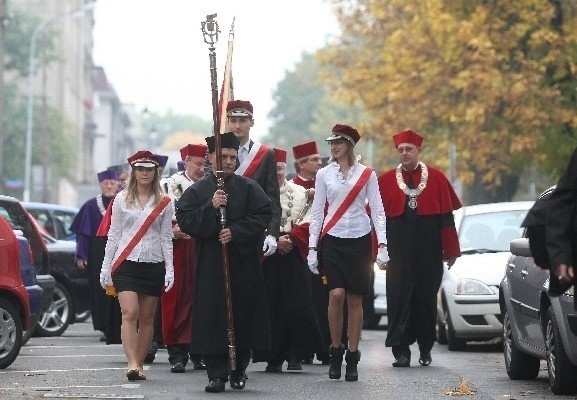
x,y
154,54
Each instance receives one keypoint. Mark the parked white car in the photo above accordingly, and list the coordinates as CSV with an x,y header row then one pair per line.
x,y
468,299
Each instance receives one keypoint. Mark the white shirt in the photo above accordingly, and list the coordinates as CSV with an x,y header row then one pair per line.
x,y
243,152
355,221
155,245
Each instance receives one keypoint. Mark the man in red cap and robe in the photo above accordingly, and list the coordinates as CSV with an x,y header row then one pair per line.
x,y
419,202
307,163
176,305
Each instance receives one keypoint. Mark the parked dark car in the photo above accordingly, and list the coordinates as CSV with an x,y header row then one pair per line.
x,y
55,218
39,300
71,289
18,219
14,301
536,325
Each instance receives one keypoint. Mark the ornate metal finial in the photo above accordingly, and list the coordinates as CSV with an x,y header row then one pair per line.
x,y
210,30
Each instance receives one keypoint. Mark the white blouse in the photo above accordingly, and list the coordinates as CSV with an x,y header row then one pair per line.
x,y
355,222
155,245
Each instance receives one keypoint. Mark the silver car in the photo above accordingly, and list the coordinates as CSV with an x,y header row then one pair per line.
x,y
537,325
468,299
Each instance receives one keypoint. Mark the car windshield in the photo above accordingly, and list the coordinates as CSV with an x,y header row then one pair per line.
x,y
490,232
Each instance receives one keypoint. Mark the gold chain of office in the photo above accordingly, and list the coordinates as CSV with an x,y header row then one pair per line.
x,y
413,193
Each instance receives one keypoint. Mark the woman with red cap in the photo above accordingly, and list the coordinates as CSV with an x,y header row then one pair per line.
x,y
138,256
342,234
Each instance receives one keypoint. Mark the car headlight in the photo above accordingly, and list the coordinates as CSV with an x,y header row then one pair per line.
x,y
472,286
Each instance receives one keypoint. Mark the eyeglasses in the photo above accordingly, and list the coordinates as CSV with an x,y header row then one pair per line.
x,y
406,149
141,169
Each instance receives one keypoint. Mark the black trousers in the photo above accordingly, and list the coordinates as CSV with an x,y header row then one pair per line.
x,y
217,365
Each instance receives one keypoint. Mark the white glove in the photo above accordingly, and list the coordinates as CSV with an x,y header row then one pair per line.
x,y
313,262
269,246
105,278
382,256
169,278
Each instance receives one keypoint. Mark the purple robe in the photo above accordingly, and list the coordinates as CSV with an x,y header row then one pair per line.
x,y
86,224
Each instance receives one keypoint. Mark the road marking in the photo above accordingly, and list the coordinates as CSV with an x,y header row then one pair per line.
x,y
92,396
44,371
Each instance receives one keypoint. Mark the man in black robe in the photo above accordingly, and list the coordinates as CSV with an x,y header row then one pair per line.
x,y
248,213
560,234
85,225
419,202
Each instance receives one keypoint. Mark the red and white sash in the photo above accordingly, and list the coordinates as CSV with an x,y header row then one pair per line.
x,y
345,198
252,161
132,236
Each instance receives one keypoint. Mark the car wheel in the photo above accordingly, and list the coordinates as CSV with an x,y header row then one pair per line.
x,y
561,372
454,343
56,319
519,365
10,333
441,331
82,316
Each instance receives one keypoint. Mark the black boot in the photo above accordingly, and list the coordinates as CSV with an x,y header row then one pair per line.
x,y
336,355
352,358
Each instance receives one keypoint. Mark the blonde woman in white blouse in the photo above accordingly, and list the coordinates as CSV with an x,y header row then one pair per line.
x,y
342,237
138,256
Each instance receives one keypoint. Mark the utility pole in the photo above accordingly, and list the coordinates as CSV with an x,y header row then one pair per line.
x,y
3,18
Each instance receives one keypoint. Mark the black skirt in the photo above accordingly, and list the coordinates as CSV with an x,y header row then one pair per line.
x,y
347,263
140,277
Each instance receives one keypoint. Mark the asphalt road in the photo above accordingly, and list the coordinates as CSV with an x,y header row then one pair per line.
x,y
77,365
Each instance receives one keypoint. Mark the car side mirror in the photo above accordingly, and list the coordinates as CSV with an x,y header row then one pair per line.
x,y
520,247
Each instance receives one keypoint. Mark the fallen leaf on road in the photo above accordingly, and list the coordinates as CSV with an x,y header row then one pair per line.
x,y
462,390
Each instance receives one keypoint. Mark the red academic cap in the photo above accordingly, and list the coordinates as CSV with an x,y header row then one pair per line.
x,y
280,155
143,158
344,132
239,108
193,150
304,150
408,136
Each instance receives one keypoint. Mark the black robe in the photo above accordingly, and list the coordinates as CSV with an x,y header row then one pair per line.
x,y
295,330
248,213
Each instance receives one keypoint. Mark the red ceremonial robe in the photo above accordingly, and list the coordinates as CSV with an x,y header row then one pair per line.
x,y
177,303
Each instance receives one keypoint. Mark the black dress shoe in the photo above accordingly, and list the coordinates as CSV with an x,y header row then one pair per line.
x,y
215,385
199,365
177,367
273,368
294,365
402,361
237,382
425,359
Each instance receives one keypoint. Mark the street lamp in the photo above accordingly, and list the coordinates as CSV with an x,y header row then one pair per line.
x,y
31,75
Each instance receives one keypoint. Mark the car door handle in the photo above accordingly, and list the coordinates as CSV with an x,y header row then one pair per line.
x,y
524,273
